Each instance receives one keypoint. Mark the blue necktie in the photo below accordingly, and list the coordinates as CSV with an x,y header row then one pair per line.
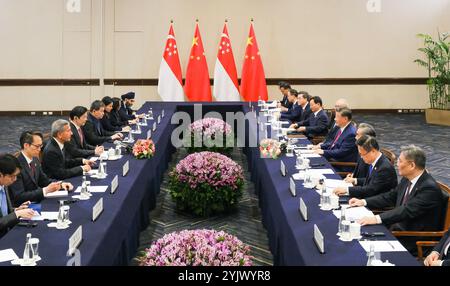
x,y
3,203
370,169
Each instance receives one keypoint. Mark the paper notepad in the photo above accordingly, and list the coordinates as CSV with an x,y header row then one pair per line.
x,y
383,245
355,213
330,183
8,255
94,189
321,172
311,156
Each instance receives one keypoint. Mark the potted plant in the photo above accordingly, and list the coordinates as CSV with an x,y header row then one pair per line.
x,y
437,62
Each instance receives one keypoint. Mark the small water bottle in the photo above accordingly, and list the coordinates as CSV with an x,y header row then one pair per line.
x,y
83,190
342,219
60,221
118,150
28,254
371,255
150,113
101,170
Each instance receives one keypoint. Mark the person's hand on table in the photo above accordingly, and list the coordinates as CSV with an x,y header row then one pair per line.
x,y
318,151
339,191
99,150
301,129
367,220
354,202
431,259
67,186
349,179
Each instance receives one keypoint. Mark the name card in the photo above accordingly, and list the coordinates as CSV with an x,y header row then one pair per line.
x,y
97,209
318,239
149,134
303,210
114,184
162,113
292,187
159,119
282,169
154,126
75,240
125,168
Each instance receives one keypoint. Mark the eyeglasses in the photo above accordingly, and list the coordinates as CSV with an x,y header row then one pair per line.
x,y
362,155
38,146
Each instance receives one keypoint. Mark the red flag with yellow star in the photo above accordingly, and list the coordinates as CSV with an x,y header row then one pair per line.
x,y
253,82
197,86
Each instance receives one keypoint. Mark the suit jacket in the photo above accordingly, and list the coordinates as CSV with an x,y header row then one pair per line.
x,y
421,212
107,124
74,147
114,118
94,132
316,125
440,246
382,179
331,135
332,121
285,102
28,187
361,170
10,220
58,165
126,113
344,149
293,113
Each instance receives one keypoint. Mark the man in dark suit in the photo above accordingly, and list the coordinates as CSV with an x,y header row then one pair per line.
x,y
56,162
417,200
317,122
440,256
295,110
93,129
9,217
303,99
125,111
32,183
361,169
381,176
284,89
77,147
342,148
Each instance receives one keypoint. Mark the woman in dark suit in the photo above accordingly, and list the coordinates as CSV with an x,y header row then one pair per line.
x,y
108,122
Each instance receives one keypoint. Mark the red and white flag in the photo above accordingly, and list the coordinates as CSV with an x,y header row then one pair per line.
x,y
197,86
170,83
226,86
253,82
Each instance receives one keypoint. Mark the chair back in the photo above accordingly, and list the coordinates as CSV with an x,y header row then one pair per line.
x,y
446,211
389,154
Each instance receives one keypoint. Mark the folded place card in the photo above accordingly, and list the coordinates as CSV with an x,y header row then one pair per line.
x,y
292,187
114,184
154,126
97,209
125,168
159,119
303,210
318,239
282,169
75,240
149,134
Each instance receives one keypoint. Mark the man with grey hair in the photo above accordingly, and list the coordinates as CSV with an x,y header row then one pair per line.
x,y
417,200
361,168
56,163
332,126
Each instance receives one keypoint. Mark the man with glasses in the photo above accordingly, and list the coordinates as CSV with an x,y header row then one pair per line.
x,y
9,217
32,183
417,201
381,176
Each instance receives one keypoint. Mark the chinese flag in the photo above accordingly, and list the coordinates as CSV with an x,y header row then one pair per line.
x,y
197,86
253,82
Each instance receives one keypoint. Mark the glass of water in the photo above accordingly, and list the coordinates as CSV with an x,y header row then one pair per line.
x,y
35,246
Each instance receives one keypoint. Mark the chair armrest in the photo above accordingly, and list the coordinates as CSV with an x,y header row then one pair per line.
x,y
421,244
418,233
343,164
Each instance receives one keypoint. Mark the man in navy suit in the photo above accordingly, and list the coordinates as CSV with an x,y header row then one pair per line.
x,y
418,202
284,89
32,183
303,99
9,216
342,148
125,111
361,168
295,110
93,129
440,256
316,124
381,176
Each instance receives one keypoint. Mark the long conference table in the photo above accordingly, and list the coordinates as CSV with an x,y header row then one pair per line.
x,y
114,237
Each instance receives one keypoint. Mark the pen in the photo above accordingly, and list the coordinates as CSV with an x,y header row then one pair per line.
x,y
391,245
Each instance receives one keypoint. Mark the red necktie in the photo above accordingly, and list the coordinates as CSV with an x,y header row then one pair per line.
x,y
81,136
338,134
33,169
406,196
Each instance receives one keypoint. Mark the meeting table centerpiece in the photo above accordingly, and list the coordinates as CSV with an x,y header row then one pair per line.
x,y
144,149
209,134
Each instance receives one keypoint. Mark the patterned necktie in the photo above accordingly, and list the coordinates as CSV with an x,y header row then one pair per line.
x,y
33,169
406,196
338,134
80,133
3,202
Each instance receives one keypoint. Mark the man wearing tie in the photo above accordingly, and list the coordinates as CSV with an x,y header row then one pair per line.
x,y
295,110
342,148
32,183
9,217
417,200
93,129
440,256
77,147
317,122
381,176
56,162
